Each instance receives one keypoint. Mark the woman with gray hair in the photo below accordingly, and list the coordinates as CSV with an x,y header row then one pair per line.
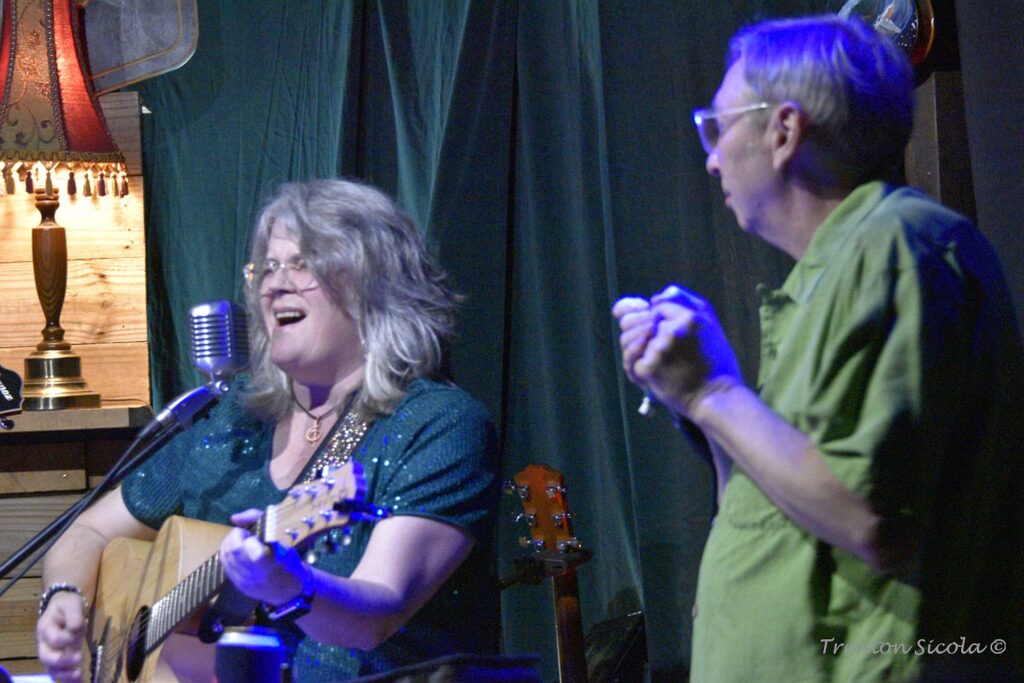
x,y
350,319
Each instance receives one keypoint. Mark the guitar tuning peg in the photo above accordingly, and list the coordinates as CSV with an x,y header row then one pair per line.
x,y
559,518
511,488
528,517
536,544
554,489
570,544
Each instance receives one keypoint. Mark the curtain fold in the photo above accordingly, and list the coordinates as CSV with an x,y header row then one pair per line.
x,y
546,151
260,103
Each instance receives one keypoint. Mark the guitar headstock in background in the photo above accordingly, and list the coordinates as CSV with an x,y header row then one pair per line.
x,y
556,554
541,489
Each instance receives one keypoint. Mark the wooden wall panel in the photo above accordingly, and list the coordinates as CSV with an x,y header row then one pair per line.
x,y
121,110
24,516
102,303
50,457
96,227
18,616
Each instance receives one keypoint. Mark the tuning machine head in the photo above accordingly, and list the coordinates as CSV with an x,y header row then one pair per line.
x,y
511,488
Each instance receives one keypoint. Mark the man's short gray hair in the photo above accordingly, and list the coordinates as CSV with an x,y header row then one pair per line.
x,y
855,86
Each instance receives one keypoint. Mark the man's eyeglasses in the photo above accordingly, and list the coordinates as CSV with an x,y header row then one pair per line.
x,y
295,270
708,123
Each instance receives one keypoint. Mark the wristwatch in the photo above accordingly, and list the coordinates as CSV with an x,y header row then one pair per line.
x,y
298,606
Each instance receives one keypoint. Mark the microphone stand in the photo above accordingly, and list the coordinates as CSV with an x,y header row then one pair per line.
x,y
174,418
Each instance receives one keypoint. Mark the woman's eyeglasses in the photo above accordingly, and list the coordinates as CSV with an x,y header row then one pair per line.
x,y
296,271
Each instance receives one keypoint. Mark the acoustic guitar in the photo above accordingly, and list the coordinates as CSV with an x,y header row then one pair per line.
x,y
557,553
148,592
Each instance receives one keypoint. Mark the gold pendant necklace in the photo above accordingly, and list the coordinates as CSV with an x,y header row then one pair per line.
x,y
313,434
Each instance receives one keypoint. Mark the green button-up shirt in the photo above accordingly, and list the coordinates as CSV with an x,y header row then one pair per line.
x,y
865,349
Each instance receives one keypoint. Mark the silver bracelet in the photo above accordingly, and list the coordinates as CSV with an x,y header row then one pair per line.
x,y
53,589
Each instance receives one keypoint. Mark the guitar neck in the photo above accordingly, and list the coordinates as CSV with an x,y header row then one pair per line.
x,y
572,662
197,589
194,591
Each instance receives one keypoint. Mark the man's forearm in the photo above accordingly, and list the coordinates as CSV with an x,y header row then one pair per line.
x,y
788,468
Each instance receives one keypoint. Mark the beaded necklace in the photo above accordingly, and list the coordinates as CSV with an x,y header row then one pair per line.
x,y
340,446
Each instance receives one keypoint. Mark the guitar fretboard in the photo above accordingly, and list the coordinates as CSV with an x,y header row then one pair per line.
x,y
196,589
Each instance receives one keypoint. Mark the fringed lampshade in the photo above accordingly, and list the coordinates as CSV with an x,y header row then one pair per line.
x,y
52,136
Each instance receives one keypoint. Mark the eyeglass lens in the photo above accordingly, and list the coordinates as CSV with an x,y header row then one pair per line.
x,y
297,272
709,133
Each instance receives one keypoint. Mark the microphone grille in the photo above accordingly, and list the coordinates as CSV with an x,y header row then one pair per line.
x,y
220,338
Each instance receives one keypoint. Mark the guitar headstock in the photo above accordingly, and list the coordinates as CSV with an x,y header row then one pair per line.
x,y
10,396
335,501
541,489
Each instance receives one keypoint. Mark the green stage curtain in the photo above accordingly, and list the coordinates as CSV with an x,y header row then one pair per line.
x,y
546,149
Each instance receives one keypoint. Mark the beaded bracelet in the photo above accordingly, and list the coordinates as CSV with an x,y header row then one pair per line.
x,y
44,599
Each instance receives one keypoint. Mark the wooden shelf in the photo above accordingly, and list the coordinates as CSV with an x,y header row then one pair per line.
x,y
127,416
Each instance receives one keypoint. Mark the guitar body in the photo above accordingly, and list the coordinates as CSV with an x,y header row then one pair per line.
x,y
150,597
133,576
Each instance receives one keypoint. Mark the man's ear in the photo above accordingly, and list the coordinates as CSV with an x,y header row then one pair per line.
x,y
787,131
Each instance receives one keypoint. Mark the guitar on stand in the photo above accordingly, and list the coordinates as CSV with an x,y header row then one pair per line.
x,y
147,592
556,554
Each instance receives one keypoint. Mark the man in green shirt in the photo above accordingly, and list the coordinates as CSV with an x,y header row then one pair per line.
x,y
870,507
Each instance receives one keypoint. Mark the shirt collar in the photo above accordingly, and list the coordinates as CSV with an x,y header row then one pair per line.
x,y
839,227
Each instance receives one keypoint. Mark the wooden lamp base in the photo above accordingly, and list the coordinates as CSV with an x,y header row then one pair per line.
x,y
53,373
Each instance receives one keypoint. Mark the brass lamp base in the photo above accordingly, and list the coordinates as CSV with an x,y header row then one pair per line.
x,y
53,381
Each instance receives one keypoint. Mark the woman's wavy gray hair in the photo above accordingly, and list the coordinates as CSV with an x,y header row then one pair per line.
x,y
371,261
855,86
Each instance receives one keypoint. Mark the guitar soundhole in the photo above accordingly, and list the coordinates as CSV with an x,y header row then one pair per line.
x,y
135,649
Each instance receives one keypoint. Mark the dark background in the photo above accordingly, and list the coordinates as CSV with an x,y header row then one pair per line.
x,y
546,149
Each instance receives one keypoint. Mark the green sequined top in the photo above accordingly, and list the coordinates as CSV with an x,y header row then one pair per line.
x,y
435,457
